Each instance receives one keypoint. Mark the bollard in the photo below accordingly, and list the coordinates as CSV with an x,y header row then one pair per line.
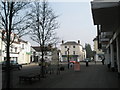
x,y
86,63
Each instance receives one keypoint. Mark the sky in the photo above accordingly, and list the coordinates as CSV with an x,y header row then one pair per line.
x,y
75,19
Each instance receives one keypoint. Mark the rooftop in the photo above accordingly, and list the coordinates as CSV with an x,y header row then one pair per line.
x,y
70,43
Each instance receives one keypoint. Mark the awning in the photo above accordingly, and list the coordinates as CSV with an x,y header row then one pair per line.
x,y
70,55
98,5
105,13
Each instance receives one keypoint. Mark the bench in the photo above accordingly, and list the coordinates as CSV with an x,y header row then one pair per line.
x,y
29,77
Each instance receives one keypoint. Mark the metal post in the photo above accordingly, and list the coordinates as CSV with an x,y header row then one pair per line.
x,y
68,57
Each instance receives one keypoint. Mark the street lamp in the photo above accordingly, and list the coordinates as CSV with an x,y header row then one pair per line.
x,y
68,57
58,70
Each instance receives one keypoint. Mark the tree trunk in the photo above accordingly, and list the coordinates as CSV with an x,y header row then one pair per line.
x,y
8,67
43,63
7,77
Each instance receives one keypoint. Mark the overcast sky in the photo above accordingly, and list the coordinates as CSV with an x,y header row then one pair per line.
x,y
75,20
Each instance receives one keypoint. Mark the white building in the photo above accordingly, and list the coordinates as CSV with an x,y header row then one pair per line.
x,y
50,54
37,54
25,52
74,50
19,50
98,52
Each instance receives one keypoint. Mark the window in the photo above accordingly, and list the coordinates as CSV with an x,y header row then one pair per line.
x,y
11,48
73,46
0,52
65,52
45,53
22,46
73,52
15,49
65,46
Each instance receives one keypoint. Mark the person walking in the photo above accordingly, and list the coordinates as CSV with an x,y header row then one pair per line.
x,y
103,60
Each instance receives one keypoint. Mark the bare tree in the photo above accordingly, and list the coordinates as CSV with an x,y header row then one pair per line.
x,y
44,26
12,22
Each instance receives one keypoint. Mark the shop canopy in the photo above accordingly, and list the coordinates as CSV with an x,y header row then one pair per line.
x,y
105,13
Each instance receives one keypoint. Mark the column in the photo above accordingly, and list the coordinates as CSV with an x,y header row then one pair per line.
x,y
112,56
118,54
107,57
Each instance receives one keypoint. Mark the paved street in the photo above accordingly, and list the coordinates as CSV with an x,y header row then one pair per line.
x,y
93,76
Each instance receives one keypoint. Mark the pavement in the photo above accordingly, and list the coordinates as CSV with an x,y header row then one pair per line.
x,y
93,76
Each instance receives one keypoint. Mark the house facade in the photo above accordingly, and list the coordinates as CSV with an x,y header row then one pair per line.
x,y
99,54
37,54
73,50
19,50
51,55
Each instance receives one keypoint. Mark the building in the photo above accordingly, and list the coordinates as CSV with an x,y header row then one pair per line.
x,y
37,54
51,54
73,50
24,52
0,46
106,16
19,50
98,52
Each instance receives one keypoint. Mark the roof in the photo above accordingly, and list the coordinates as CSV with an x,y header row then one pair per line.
x,y
20,40
95,38
38,48
70,43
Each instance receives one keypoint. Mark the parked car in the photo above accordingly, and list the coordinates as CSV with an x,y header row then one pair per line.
x,y
13,65
87,60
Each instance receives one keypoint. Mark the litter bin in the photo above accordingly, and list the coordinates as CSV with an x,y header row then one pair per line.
x,y
77,66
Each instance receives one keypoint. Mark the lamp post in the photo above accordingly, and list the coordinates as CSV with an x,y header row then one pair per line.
x,y
68,57
58,70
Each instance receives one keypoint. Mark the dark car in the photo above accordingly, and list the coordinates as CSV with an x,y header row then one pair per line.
x,y
13,65
87,60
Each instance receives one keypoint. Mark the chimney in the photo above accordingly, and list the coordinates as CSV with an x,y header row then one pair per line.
x,y
78,41
62,41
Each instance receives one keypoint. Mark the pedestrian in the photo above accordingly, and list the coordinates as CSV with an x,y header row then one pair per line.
x,y
95,61
103,60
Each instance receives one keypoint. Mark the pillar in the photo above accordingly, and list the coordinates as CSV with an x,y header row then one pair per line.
x,y
118,54
107,58
112,56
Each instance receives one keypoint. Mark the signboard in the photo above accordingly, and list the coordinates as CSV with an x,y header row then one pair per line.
x,y
77,66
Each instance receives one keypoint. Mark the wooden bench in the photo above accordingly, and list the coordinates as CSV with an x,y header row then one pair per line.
x,y
29,77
